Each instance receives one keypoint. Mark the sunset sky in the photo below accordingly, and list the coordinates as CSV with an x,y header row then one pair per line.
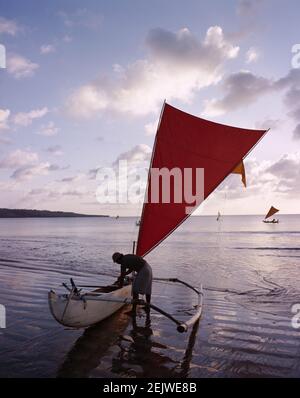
x,y
85,81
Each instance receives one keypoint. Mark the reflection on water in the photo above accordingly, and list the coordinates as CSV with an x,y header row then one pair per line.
x,y
87,351
137,353
140,355
250,272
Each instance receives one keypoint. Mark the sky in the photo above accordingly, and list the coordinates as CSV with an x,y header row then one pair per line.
x,y
85,81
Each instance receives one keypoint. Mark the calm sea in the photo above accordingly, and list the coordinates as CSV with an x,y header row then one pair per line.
x,y
250,272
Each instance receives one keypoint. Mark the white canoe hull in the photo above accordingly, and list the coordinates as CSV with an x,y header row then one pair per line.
x,y
77,313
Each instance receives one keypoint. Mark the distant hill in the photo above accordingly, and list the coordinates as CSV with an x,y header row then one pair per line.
x,y
24,213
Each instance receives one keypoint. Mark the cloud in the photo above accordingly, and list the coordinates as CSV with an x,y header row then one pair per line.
x,y
296,132
287,167
30,171
151,128
295,107
18,158
186,50
58,193
248,22
248,8
291,81
252,55
74,192
20,67
63,188
47,49
9,27
139,153
92,173
4,115
5,141
242,89
67,39
70,179
48,129
279,178
269,124
82,17
287,172
26,165
27,172
177,66
292,97
87,101
26,118
131,177
55,150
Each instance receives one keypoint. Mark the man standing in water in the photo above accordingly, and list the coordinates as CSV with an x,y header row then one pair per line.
x,y
142,283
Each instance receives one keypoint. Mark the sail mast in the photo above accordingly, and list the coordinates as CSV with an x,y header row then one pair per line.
x,y
149,173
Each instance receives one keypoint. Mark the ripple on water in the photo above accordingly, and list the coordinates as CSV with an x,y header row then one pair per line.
x,y
251,281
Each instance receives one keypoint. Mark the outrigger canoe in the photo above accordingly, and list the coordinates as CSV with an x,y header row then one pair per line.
x,y
79,310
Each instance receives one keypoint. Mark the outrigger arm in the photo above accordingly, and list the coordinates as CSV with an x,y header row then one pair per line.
x,y
181,326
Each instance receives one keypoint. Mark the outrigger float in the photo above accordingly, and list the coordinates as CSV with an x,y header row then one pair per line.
x,y
183,142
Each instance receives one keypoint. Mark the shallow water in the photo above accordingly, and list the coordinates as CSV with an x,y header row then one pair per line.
x,y
250,272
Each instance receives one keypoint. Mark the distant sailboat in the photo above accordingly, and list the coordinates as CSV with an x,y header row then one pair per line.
x,y
270,213
219,216
138,223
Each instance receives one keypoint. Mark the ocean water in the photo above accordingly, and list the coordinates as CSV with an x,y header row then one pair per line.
x,y
250,272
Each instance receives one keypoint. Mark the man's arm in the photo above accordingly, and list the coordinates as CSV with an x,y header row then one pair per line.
x,y
123,274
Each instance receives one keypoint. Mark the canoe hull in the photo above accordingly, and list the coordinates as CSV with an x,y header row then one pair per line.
x,y
77,313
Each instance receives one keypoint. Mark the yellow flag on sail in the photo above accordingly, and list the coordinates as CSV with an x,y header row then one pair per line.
x,y
240,169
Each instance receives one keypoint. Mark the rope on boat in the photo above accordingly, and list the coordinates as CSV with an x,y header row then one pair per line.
x,y
70,296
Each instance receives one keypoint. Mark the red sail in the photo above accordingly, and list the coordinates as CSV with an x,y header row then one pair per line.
x,y
186,141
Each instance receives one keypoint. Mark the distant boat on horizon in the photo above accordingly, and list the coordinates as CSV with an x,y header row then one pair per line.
x,y
270,213
218,216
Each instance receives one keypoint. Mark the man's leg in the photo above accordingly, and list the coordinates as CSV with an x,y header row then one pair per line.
x,y
135,297
148,301
132,312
